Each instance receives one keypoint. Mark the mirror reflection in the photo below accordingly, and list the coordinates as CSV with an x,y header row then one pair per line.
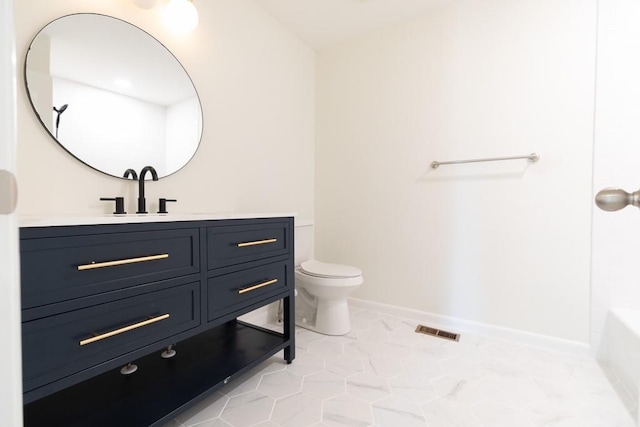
x,y
112,95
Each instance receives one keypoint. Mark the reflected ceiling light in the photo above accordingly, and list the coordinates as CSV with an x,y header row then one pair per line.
x,y
181,16
145,4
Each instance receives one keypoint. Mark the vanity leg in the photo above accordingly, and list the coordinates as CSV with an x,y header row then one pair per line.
x,y
289,328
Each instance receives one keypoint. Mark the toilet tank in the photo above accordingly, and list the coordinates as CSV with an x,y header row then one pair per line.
x,y
303,241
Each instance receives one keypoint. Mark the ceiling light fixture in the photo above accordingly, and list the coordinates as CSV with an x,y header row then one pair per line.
x,y
181,16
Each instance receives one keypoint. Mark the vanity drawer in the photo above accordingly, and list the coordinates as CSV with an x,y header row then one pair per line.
x,y
61,268
236,244
58,346
230,292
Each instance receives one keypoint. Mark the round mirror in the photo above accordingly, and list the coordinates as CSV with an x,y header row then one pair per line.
x,y
112,95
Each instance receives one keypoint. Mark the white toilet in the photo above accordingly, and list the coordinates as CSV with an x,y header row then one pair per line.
x,y
322,288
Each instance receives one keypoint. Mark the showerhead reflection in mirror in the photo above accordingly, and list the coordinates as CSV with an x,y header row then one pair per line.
x,y
59,111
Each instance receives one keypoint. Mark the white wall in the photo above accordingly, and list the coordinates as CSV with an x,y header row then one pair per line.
x,y
256,84
616,278
506,244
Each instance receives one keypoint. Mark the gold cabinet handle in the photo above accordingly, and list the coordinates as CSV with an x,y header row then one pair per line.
x,y
125,329
94,265
257,242
258,286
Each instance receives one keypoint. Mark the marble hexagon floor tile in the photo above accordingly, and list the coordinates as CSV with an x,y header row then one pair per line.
x,y
326,348
280,384
344,364
460,367
396,411
324,385
460,390
445,412
248,409
383,366
393,349
415,388
373,336
297,410
382,374
304,337
306,364
514,392
368,387
493,414
346,410
360,348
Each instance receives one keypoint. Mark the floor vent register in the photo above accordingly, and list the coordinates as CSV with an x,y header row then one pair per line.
x,y
421,329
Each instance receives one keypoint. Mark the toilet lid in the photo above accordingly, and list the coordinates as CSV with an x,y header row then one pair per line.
x,y
324,269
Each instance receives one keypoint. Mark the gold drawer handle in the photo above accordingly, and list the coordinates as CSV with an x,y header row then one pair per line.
x,y
257,242
258,286
125,329
94,265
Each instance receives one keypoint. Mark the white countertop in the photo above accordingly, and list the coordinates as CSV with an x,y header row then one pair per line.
x,y
66,220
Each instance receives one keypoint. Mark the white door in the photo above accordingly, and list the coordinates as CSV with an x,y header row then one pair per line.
x,y
10,354
615,244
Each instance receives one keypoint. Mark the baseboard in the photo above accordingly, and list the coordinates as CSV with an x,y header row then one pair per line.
x,y
462,325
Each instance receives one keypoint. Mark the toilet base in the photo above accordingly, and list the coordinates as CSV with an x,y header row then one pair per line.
x,y
332,318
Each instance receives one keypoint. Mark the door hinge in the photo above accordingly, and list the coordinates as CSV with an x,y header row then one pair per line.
x,y
8,192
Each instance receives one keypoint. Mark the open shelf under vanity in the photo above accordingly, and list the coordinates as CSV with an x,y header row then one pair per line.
x,y
160,388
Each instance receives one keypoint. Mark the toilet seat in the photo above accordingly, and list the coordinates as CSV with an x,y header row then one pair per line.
x,y
329,271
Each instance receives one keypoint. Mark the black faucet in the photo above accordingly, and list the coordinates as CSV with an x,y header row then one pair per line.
x,y
142,204
131,172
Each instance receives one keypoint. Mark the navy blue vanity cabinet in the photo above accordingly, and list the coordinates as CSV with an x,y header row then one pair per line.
x,y
88,264
85,281
58,348
97,297
229,292
246,263
237,244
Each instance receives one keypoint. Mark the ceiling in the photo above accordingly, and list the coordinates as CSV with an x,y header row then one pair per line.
x,y
324,23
